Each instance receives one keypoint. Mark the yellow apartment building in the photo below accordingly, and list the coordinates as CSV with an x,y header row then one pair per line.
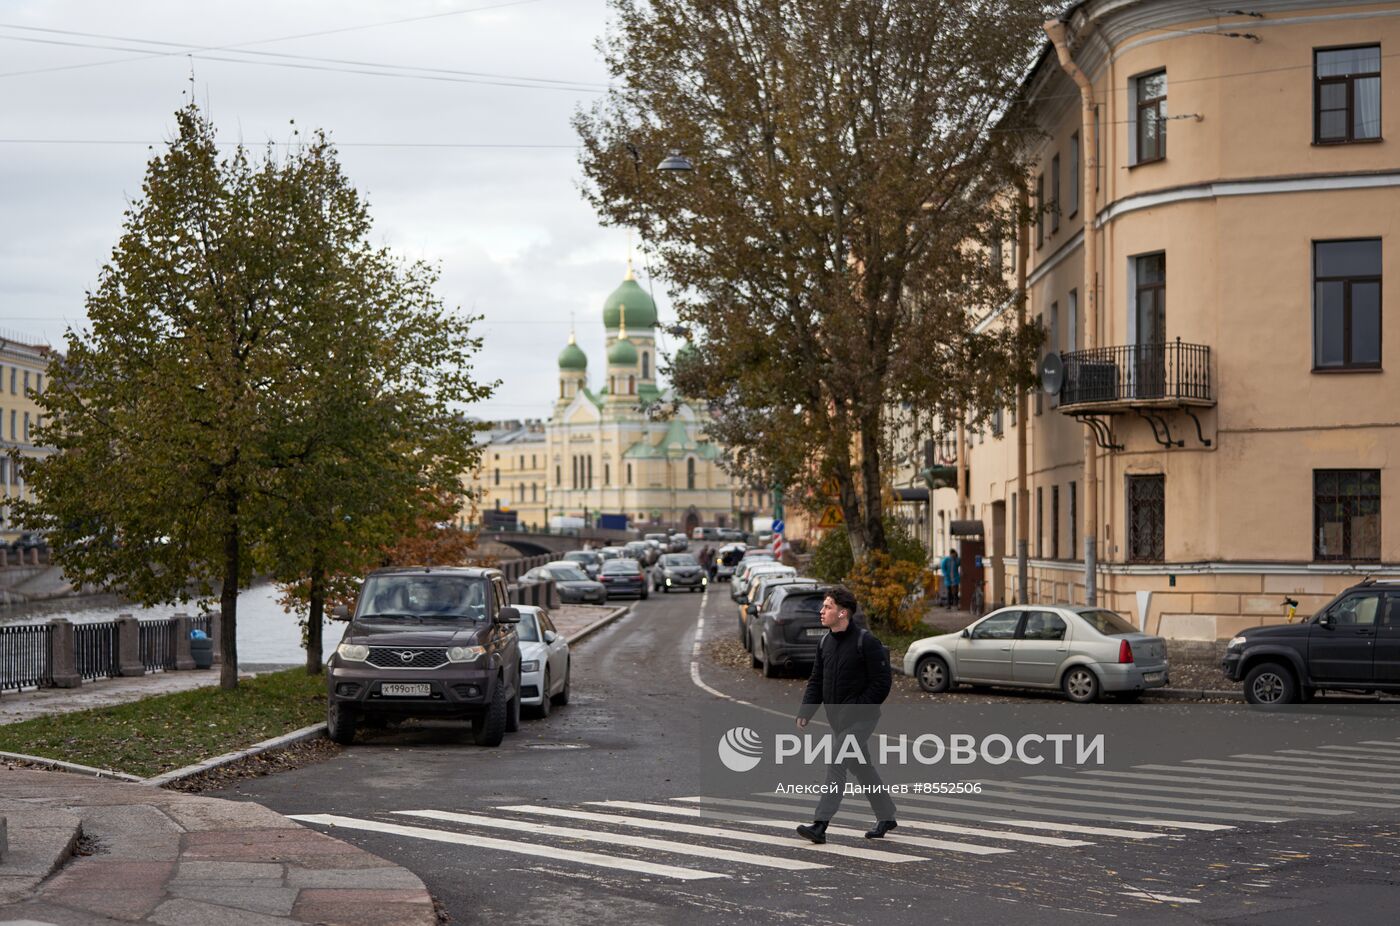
x,y
512,475
1233,387
23,370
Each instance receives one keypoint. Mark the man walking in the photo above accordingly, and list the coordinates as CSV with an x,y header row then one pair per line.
x,y
952,576
851,676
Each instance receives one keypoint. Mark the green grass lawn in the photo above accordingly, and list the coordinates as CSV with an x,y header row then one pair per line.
x,y
170,731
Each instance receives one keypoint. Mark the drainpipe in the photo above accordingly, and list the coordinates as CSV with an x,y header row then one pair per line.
x,y
1023,494
1056,31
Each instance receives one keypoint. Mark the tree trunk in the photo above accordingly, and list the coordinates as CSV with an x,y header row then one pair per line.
x,y
872,488
849,499
313,626
228,598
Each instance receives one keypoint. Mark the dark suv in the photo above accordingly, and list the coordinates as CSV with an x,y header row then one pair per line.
x,y
1353,644
786,630
428,642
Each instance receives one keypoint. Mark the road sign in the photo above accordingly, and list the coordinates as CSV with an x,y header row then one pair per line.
x,y
778,526
831,517
831,488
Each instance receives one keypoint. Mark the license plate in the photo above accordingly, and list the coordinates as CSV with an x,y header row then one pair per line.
x,y
1152,676
816,631
398,689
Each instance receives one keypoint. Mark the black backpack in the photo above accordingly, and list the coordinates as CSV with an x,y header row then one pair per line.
x,y
886,678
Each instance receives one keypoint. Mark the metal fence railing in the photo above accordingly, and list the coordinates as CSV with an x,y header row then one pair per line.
x,y
202,622
1137,373
24,656
157,645
96,645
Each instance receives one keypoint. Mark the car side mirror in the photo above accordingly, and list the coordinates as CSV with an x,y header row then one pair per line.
x,y
340,613
966,634
550,636
508,615
1327,621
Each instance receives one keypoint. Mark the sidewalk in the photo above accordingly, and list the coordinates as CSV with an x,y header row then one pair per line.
x,y
16,706
154,856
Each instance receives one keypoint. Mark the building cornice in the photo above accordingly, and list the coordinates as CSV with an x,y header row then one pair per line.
x,y
1252,186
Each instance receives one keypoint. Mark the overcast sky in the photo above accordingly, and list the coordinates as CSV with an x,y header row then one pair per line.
x,y
506,225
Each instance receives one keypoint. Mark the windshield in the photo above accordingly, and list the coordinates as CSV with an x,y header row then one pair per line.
x,y
1107,623
567,574
583,556
528,628
423,597
679,559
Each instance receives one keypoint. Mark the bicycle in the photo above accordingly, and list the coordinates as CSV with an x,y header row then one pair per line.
x,y
979,602
1290,610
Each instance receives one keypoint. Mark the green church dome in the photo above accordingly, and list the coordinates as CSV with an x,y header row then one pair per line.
x,y
572,357
623,354
641,311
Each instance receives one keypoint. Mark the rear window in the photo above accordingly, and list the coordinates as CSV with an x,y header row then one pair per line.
x,y
1107,623
731,558
802,605
620,566
568,574
679,559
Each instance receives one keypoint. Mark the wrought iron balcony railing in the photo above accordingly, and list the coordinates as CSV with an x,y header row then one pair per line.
x,y
1161,375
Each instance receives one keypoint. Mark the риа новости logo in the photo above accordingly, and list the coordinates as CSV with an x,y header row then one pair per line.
x,y
740,749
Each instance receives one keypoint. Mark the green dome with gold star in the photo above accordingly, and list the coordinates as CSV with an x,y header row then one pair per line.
x,y
572,357
623,353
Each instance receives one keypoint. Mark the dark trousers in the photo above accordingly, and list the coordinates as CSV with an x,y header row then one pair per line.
x,y
865,773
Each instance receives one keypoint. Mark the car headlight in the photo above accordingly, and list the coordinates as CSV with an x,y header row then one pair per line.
x,y
1236,642
353,652
530,665
464,653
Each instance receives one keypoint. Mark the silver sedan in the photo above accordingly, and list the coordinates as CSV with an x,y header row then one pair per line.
x,y
1083,651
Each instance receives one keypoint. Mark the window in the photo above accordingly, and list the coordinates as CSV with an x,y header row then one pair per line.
x,y
690,473
1072,317
26,382
1055,194
1040,211
1073,520
629,474
1347,304
533,464
607,474
26,427
497,478
646,365
1054,522
1347,514
1098,147
1347,95
1043,625
998,627
1146,519
995,257
1039,393
1150,127
14,371
1039,522
1074,171
1356,610
38,382
588,484
558,474
534,492
997,426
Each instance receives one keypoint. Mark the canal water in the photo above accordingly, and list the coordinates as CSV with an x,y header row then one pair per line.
x,y
267,635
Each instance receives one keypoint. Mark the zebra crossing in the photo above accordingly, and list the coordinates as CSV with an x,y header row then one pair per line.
x,y
691,838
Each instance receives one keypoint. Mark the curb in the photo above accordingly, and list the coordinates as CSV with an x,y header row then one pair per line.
x,y
70,767
599,624
277,742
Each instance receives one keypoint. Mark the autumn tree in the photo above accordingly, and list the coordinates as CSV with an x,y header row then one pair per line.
x,y
234,380
829,253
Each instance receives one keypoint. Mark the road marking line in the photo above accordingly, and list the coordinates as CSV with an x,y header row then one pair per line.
x,y
1362,752
1158,898
1393,744
905,823
616,839
1275,776
554,853
1297,765
939,814
1015,792
1258,790
1363,761
1079,789
1078,815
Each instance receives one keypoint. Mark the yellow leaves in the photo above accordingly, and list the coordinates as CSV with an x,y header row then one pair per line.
x,y
886,589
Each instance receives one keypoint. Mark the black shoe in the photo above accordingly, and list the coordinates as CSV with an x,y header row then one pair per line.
x,y
881,828
816,832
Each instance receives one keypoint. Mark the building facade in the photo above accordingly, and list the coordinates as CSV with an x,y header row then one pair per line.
x,y
1233,384
23,371
511,478
628,446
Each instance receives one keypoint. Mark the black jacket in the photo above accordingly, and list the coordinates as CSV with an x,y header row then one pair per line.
x,y
842,674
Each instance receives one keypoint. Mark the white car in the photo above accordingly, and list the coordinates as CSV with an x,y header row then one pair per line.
x,y
544,661
1083,651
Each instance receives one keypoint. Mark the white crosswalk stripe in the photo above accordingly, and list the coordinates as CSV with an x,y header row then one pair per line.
x,y
1145,780
1366,751
1004,806
617,839
1321,757
1021,793
1253,771
1082,788
553,853
1299,765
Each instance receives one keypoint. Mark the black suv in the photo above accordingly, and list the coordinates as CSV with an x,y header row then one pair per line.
x,y
787,629
1353,644
428,642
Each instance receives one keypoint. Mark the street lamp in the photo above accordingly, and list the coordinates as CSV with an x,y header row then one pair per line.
x,y
676,162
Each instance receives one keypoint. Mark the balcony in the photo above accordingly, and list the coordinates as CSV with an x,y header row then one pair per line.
x,y
1136,376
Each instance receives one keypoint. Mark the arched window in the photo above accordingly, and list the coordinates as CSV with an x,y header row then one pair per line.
x,y
646,365
561,389
631,385
690,473
629,474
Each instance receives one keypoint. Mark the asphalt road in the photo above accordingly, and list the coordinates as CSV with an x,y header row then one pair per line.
x,y
1204,813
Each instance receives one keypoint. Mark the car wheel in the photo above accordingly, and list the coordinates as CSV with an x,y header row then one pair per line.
x,y
513,709
490,729
562,698
340,723
545,700
766,664
1081,685
644,594
1269,684
932,674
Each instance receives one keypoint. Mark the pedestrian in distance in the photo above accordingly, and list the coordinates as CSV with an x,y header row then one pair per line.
x,y
851,677
952,578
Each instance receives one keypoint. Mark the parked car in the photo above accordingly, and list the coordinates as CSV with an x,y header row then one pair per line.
x,y
641,551
676,571
731,534
608,553
705,534
726,559
760,585
590,561
573,584
29,541
679,542
662,538
743,582
544,661
658,549
436,641
751,560
1352,644
785,630
624,576
1082,650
